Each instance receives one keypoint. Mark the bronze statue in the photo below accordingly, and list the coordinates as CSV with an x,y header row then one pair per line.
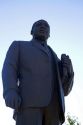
x,y
35,80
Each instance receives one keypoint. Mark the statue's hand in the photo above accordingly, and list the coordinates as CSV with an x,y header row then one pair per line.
x,y
12,99
68,74
66,63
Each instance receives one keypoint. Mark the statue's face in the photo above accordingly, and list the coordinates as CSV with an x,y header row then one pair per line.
x,y
41,30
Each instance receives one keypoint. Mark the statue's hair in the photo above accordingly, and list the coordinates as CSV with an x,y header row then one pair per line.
x,y
34,24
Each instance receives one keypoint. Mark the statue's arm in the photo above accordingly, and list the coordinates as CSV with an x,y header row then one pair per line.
x,y
67,77
10,74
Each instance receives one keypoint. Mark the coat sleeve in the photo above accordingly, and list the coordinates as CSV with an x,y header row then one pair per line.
x,y
10,68
67,83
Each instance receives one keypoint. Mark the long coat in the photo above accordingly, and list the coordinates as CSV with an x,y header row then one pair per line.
x,y
27,70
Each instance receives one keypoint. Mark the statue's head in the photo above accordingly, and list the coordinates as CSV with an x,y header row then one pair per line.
x,y
40,30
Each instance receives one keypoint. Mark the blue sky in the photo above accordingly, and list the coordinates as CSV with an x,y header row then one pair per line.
x,y
65,18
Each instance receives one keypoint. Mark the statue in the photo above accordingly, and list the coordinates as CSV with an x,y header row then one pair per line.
x,y
35,80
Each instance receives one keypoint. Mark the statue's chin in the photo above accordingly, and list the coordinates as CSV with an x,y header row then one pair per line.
x,y
42,38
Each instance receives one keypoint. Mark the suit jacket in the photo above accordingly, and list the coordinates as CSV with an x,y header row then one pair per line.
x,y
27,70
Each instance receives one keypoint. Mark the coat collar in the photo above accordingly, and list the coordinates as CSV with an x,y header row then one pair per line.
x,y
39,45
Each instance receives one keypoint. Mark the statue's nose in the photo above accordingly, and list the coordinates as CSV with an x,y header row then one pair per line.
x,y
43,26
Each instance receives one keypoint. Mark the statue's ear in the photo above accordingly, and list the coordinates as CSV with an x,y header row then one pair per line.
x,y
31,32
49,35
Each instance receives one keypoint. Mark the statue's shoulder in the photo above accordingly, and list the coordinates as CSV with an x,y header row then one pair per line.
x,y
20,42
54,54
52,51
